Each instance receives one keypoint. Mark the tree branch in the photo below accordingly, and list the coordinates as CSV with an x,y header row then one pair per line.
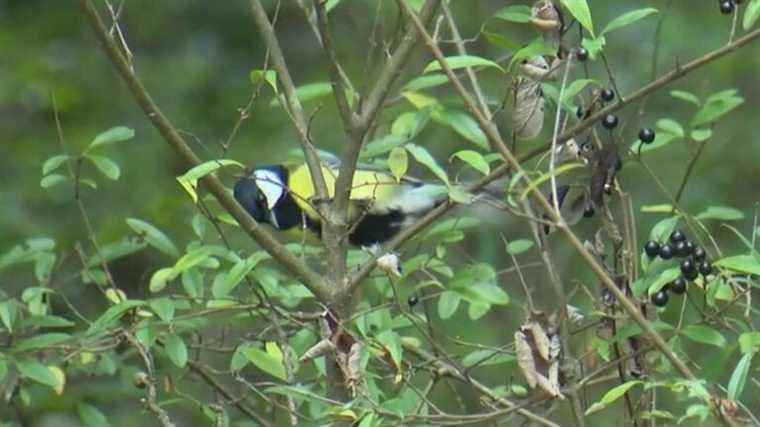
x,y
498,143
311,279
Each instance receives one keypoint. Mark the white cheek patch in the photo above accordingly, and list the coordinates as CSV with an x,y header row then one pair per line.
x,y
270,185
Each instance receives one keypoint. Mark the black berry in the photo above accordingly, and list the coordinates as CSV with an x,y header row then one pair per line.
x,y
581,54
588,212
610,121
726,7
677,286
705,268
646,135
607,95
677,236
652,248
700,254
660,298
689,247
412,301
688,267
679,248
666,251
579,112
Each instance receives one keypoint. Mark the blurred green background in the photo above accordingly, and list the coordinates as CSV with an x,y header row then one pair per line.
x,y
195,58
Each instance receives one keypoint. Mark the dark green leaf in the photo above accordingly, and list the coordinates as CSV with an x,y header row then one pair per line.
x,y
268,361
153,236
464,125
176,350
423,156
164,307
115,250
36,371
705,335
113,313
487,358
41,341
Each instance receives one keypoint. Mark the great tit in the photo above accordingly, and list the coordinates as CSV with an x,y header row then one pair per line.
x,y
379,207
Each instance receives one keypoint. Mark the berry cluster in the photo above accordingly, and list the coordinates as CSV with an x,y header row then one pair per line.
x,y
693,264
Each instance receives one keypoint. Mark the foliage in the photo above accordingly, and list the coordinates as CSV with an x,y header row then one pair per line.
x,y
142,290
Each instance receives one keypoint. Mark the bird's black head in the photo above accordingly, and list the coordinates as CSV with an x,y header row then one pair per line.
x,y
261,191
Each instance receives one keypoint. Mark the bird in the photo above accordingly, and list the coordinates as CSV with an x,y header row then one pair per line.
x,y
380,206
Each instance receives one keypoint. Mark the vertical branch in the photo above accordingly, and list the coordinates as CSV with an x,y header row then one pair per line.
x,y
311,279
293,104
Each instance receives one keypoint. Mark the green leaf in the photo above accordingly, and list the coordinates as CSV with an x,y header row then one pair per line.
x,y
409,124
751,13
425,82
491,293
716,106
116,134
398,162
164,308
192,282
267,361
392,342
499,40
51,180
448,302
189,180
474,159
176,350
534,48
40,341
487,358
749,341
686,96
308,92
153,236
53,163
3,369
160,279
739,376
462,61
36,371
237,273
661,139
741,263
705,335
574,89
579,9
519,246
464,125
594,46
423,156
567,167
518,13
612,395
700,135
723,213
671,126
270,76
8,314
91,416
662,230
48,321
115,250
106,166
113,313
628,18
663,279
